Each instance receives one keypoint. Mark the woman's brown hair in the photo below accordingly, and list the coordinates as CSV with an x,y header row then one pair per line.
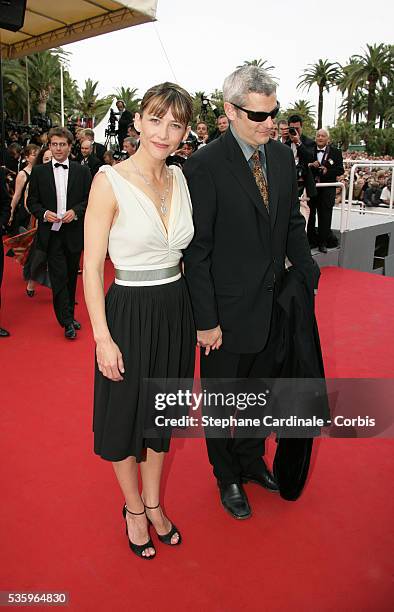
x,y
159,98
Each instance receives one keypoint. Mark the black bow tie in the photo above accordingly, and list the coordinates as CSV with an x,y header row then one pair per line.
x,y
57,165
321,150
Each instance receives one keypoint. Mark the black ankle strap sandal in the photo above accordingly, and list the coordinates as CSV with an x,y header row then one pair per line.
x,y
138,549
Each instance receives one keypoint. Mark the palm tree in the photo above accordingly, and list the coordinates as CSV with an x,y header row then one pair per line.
x,y
257,62
373,68
385,103
303,108
90,105
360,104
323,74
347,85
129,97
14,89
44,71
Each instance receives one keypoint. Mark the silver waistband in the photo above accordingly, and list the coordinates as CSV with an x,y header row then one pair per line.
x,y
146,275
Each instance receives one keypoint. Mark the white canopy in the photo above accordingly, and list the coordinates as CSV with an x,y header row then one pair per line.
x,y
52,23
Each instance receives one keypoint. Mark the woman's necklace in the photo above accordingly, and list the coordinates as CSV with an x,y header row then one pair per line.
x,y
162,196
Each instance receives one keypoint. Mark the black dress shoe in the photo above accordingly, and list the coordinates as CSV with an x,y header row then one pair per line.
x,y
4,333
234,500
262,477
69,332
76,324
322,248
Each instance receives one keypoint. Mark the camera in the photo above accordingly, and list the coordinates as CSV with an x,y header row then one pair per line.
x,y
293,131
120,155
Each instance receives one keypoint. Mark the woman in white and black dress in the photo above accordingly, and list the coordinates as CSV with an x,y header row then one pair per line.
x,y
143,328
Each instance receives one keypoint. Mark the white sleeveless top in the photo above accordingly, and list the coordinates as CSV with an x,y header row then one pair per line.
x,y
138,239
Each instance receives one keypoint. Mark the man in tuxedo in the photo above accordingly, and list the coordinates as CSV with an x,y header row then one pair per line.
x,y
326,166
58,196
202,134
88,158
5,212
247,220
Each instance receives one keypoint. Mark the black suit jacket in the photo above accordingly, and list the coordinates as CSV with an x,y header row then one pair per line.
x,y
305,149
125,120
42,197
93,164
237,255
333,161
99,150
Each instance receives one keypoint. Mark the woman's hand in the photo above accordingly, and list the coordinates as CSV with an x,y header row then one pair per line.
x,y
109,359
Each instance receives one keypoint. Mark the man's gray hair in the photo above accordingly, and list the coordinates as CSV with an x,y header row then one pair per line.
x,y
245,80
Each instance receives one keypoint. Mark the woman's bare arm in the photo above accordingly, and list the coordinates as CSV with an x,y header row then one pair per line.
x,y
100,214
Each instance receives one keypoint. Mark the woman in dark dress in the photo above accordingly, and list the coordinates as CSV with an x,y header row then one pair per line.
x,y
143,328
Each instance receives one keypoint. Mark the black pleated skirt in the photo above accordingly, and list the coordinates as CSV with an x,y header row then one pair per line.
x,y
154,329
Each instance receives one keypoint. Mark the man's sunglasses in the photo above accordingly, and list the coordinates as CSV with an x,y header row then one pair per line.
x,y
259,115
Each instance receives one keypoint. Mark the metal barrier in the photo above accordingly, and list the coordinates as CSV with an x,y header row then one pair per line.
x,y
347,207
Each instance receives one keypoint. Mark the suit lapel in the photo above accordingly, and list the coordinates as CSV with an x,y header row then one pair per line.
x,y
241,171
71,179
52,186
273,178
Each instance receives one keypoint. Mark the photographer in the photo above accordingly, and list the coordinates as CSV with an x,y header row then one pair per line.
x,y
124,119
326,166
302,148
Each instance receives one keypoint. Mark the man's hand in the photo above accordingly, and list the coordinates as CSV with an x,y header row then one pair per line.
x,y
51,217
315,164
295,138
211,339
68,216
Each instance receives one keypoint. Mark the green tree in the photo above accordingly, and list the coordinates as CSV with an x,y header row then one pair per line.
x,y
128,95
15,89
305,110
260,63
347,85
323,74
371,69
90,105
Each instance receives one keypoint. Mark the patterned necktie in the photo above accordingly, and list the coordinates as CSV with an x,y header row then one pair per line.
x,y
259,177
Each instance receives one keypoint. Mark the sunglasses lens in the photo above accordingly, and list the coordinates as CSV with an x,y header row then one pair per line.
x,y
258,117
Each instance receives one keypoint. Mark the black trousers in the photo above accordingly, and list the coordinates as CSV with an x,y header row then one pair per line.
x,y
232,456
322,204
63,271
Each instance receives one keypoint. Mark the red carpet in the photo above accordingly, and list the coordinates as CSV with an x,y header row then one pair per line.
x,y
61,508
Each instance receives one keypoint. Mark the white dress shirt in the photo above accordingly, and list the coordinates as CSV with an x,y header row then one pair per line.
x,y
61,182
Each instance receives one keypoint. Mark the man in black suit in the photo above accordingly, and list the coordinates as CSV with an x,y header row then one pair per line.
x,y
5,212
124,120
326,166
247,219
302,148
88,158
98,149
58,196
